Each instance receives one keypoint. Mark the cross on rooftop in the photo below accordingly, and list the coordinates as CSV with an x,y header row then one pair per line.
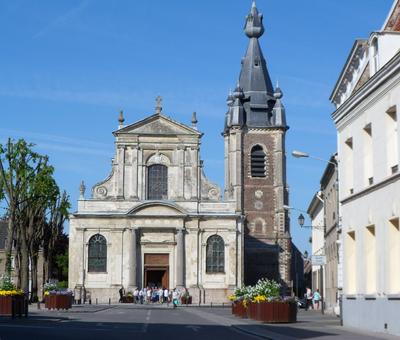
x,y
158,104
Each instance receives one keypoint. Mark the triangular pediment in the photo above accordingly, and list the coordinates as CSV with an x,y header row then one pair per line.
x,y
157,124
158,209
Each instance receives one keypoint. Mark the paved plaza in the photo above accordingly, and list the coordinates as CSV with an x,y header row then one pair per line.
x,y
163,322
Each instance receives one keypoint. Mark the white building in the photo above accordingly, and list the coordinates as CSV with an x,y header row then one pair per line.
x,y
367,99
316,212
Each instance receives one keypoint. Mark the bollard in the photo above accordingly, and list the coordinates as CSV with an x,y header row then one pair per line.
x,y
38,305
223,304
97,302
211,304
109,301
90,301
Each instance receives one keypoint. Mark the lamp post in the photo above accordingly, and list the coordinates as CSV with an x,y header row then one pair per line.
x,y
301,154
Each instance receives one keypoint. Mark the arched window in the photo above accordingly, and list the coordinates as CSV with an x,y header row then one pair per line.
x,y
97,259
157,182
215,257
257,161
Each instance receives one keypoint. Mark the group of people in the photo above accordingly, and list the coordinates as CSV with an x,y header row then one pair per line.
x,y
313,300
154,295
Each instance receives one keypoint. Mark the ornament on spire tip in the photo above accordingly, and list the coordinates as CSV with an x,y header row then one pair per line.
x,y
254,27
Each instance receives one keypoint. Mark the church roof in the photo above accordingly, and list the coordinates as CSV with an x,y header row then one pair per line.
x,y
158,124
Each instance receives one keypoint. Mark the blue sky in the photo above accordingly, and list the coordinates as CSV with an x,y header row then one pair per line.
x,y
67,67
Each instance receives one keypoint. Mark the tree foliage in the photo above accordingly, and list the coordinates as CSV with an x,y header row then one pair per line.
x,y
35,209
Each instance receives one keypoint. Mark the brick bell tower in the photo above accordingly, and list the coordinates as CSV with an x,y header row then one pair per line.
x,y
255,163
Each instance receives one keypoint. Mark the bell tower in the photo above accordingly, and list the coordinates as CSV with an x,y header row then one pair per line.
x,y
255,163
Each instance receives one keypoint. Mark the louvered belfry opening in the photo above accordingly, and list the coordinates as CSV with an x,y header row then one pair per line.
x,y
257,161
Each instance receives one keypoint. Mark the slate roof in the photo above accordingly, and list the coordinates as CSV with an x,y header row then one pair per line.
x,y
253,102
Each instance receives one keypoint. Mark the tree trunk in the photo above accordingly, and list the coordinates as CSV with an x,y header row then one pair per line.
x,y
10,239
24,265
34,274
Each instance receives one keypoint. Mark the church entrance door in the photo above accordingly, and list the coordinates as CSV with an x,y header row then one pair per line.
x,y
156,270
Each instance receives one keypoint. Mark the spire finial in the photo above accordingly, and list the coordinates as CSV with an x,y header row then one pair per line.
x,y
121,119
254,27
158,104
82,189
194,120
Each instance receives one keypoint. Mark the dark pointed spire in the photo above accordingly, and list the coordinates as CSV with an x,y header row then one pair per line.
x,y
254,78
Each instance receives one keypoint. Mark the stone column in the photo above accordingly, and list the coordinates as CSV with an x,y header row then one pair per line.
x,y
133,274
180,258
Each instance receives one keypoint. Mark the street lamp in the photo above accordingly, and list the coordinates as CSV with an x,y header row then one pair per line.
x,y
300,219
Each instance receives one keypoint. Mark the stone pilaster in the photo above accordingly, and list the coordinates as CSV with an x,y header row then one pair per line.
x,y
133,259
180,258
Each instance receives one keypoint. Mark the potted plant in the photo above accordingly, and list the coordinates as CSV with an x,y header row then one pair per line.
x,y
186,298
263,302
12,300
57,298
128,298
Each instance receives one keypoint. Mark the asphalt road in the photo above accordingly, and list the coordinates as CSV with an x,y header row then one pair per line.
x,y
122,322
164,323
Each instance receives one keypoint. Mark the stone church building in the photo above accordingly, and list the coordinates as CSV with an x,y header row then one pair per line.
x,y
157,220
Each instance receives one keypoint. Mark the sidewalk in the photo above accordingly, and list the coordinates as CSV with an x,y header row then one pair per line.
x,y
310,324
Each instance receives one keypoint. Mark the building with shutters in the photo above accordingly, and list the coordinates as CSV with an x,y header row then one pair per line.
x,y
366,99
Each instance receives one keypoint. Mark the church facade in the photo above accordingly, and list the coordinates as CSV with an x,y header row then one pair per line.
x,y
157,220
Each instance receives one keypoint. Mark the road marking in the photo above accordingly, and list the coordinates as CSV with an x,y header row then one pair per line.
x,y
146,324
194,328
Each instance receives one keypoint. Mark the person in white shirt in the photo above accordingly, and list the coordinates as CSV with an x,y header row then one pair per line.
x,y
166,295
148,295
136,296
141,296
175,297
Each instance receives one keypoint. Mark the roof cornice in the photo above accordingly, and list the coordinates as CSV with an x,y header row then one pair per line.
x,y
389,70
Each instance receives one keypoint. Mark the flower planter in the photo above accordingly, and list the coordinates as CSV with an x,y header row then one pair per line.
x,y
127,299
186,300
13,305
58,301
239,310
276,312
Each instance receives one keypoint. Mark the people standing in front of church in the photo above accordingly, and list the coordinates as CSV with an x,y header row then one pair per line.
x,y
136,295
148,295
141,296
166,295
175,298
121,294
160,295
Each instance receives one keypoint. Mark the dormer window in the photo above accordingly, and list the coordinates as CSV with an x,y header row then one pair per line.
x,y
258,160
